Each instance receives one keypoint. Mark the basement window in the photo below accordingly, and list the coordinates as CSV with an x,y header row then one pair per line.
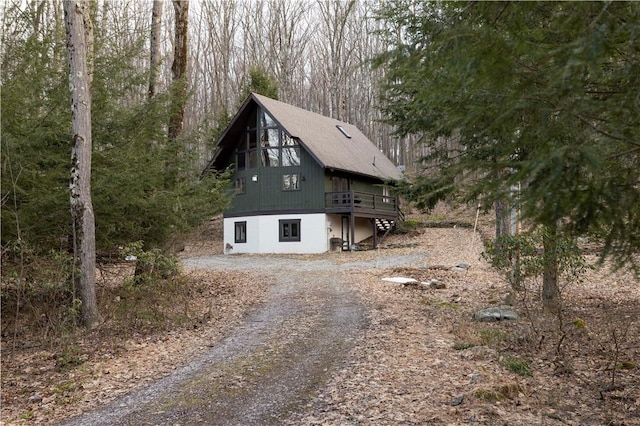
x,y
343,131
240,232
289,230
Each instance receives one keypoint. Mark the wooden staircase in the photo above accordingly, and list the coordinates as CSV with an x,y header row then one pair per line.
x,y
385,225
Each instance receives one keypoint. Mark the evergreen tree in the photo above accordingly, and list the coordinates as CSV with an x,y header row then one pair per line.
x,y
35,137
134,198
542,94
259,81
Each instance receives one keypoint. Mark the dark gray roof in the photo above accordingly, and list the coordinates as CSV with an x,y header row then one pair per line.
x,y
321,136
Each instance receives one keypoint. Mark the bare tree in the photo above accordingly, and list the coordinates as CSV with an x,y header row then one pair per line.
x,y
156,28
289,34
316,50
79,42
179,66
336,50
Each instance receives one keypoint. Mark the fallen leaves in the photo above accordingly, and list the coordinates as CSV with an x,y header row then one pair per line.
x,y
421,360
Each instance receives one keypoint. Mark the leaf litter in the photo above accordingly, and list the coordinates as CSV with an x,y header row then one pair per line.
x,y
420,360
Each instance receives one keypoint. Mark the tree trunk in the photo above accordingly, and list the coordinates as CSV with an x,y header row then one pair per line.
x,y
154,63
179,67
501,208
78,42
550,288
503,228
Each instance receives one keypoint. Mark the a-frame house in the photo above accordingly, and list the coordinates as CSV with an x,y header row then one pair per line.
x,y
304,183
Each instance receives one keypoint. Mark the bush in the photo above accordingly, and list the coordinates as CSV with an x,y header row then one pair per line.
x,y
151,265
39,288
520,257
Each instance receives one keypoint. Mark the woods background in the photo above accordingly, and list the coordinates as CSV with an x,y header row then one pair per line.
x,y
316,51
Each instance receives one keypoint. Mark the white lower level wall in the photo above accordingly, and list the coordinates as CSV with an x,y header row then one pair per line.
x,y
316,230
263,234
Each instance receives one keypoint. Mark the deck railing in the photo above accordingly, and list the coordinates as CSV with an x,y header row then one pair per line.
x,y
354,201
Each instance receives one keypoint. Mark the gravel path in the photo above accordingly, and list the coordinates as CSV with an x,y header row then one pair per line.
x,y
274,363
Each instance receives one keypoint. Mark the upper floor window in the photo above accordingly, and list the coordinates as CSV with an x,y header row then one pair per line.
x,y
241,160
291,182
266,144
240,185
290,151
266,120
386,194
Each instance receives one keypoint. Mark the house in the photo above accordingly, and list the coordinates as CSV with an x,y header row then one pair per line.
x,y
304,183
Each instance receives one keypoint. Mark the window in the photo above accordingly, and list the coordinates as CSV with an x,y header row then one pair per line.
x,y
241,160
386,195
252,139
291,182
240,185
266,145
269,138
289,230
290,156
253,159
240,233
270,157
266,120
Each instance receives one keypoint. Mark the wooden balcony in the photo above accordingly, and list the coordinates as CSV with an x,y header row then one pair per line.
x,y
361,204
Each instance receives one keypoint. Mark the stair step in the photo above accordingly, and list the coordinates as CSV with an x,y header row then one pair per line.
x,y
384,224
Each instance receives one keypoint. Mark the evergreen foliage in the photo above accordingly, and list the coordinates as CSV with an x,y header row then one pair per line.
x,y
260,82
135,198
539,93
36,146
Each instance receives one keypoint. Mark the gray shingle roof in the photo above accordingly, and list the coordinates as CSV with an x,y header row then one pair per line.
x,y
324,140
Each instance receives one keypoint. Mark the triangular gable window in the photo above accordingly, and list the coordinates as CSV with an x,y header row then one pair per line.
x,y
276,147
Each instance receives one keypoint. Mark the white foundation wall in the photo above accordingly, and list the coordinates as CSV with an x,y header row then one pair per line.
x,y
263,234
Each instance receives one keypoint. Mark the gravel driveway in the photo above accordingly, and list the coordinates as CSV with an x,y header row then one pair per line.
x,y
274,363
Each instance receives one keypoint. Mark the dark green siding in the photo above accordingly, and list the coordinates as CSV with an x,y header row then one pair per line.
x,y
362,186
355,184
267,194
264,191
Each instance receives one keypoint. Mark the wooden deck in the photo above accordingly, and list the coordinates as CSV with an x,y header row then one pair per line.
x,y
361,204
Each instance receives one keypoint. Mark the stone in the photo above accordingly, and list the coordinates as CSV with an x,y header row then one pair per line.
x,y
458,400
494,314
35,399
438,284
434,283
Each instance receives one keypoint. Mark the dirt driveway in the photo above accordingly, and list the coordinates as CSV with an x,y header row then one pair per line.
x,y
271,366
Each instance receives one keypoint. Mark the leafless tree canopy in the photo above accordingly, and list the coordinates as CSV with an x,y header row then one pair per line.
x,y
316,50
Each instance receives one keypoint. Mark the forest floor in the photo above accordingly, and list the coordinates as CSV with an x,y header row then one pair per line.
x,y
419,358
